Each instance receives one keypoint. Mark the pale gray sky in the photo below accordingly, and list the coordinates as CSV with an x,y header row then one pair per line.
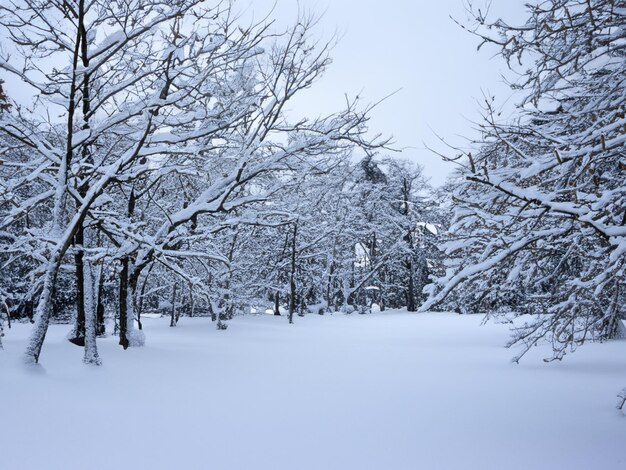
x,y
411,45
407,45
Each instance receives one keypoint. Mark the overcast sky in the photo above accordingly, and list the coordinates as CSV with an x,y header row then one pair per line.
x,y
411,45
407,45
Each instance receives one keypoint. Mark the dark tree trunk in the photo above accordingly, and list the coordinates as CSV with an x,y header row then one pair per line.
x,y
292,277
329,287
123,303
79,237
78,337
135,282
182,303
29,309
100,325
411,303
351,297
191,301
173,310
126,289
302,306
381,292
277,304
212,311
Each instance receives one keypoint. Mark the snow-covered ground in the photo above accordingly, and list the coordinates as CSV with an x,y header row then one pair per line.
x,y
385,391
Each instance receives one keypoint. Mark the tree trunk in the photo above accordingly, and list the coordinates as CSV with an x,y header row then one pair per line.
x,y
1,330
381,291
411,304
42,314
123,303
79,237
91,349
140,300
192,303
182,302
135,337
100,324
411,301
29,309
78,333
292,277
329,287
4,304
128,287
302,306
277,304
173,310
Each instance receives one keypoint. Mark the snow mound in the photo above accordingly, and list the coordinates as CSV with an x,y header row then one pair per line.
x,y
136,338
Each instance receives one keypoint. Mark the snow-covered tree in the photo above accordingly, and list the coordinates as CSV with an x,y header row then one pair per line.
x,y
414,217
151,96
5,197
540,225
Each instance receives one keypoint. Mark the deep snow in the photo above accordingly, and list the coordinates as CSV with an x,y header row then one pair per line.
x,y
384,391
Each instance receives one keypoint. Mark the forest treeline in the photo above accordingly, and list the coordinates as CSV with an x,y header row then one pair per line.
x,y
159,170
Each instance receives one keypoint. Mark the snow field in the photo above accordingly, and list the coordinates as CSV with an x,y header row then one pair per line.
x,y
383,391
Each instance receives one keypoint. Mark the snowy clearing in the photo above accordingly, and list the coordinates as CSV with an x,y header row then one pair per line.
x,y
383,391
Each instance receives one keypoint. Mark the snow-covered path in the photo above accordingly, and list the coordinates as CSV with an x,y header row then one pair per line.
x,y
388,391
